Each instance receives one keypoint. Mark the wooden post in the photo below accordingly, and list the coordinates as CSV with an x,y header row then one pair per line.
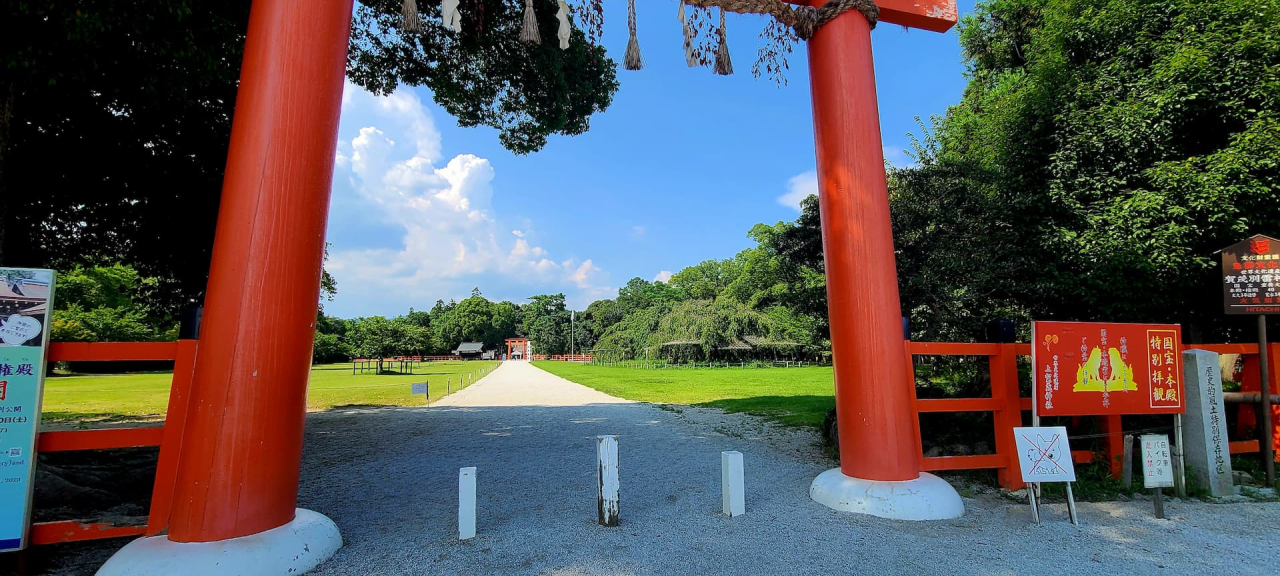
x,y
1268,420
467,503
1126,471
1004,390
1179,460
1159,503
607,483
241,452
732,485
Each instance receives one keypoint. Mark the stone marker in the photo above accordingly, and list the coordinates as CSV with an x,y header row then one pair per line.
x,y
731,484
1208,455
466,503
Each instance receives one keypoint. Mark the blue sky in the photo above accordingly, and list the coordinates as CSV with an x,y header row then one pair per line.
x,y
676,171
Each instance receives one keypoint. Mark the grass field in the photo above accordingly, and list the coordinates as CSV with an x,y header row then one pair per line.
x,y
793,396
145,396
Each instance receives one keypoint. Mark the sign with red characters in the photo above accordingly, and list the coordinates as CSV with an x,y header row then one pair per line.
x,y
1095,368
1251,276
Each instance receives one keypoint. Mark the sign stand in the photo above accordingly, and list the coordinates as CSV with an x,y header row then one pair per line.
x,y
1248,268
1157,469
1179,459
1045,456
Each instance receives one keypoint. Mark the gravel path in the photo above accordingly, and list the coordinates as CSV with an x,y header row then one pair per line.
x,y
388,477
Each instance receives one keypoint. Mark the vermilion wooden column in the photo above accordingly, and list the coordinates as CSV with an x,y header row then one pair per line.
x,y
241,452
874,391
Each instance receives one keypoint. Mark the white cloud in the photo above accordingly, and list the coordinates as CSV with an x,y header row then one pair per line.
x,y
445,213
637,232
799,187
663,276
896,156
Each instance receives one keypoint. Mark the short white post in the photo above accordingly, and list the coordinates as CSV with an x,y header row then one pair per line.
x,y
466,503
607,485
731,484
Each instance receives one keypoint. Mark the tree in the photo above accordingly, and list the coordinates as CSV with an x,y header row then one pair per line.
x,y
546,322
141,94
378,337
1103,150
102,304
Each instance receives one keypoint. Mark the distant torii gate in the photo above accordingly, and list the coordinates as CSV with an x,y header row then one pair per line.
x,y
234,503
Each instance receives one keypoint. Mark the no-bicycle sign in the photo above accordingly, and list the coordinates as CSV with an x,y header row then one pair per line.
x,y
1044,455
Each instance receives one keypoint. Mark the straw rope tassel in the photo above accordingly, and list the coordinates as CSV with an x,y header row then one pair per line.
x,y
566,29
449,13
409,21
689,57
529,33
632,60
724,66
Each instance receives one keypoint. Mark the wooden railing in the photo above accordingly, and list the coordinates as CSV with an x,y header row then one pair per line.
x,y
167,436
1007,406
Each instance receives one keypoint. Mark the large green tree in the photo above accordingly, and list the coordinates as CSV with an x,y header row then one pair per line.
x,y
115,115
1103,150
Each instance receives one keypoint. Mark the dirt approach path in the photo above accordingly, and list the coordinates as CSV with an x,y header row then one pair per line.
x,y
388,477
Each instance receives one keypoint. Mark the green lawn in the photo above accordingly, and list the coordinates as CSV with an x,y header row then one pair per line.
x,y
145,396
793,396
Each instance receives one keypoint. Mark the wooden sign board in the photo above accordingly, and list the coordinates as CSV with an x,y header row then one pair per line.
x,y
418,388
1157,465
1094,368
26,302
1251,276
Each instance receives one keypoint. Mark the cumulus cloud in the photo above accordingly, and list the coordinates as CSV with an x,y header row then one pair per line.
x,y
442,209
799,187
663,276
637,232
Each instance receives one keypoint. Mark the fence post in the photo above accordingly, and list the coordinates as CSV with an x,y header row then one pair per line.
x,y
1114,444
1004,389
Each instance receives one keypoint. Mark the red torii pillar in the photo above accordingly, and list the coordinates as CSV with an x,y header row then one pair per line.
x,y
238,466
236,489
879,470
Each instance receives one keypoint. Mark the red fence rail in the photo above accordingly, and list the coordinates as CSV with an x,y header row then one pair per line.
x,y
1007,405
167,436
565,357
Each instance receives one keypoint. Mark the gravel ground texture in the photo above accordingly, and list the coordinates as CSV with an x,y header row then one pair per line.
x,y
388,477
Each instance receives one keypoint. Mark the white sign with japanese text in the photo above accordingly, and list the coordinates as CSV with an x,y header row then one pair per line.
x,y
1157,466
418,388
1044,455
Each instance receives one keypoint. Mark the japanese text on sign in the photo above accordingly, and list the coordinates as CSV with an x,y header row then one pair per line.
x,y
1157,465
1251,276
1086,368
25,299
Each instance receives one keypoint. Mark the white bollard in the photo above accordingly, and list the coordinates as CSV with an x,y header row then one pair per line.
x,y
731,484
466,503
607,485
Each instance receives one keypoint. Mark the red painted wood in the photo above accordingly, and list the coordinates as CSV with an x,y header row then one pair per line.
x,y
109,351
100,439
237,473
76,531
171,442
1245,447
954,349
874,390
981,461
1008,415
934,15
958,405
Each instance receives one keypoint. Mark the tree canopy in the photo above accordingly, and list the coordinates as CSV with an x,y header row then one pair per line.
x,y
115,116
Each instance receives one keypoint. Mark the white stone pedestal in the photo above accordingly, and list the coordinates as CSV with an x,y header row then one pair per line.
x,y
295,548
925,498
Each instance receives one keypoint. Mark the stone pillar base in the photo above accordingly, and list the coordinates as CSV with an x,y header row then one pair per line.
x,y
295,548
925,498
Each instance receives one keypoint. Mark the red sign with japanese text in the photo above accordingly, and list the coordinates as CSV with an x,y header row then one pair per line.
x,y
1094,368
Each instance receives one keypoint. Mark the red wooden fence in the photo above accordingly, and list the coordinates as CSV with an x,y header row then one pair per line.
x,y
1005,403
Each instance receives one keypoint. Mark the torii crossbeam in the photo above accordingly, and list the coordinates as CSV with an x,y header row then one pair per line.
x,y
234,500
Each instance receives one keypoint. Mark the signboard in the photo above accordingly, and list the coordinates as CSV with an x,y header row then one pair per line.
x,y
1251,276
418,388
1157,467
1044,455
1091,368
26,300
